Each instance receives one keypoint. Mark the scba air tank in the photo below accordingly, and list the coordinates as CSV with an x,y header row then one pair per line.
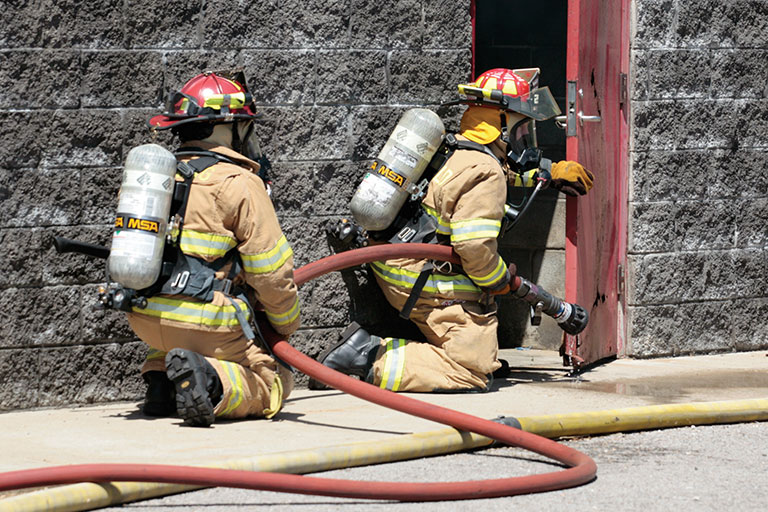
x,y
393,176
144,204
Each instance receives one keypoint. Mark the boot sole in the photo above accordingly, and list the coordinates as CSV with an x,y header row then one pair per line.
x,y
193,404
316,385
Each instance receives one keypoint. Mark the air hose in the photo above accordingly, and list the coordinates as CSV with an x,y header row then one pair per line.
x,y
581,468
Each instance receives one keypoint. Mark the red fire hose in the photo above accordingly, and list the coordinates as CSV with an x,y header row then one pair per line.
x,y
581,468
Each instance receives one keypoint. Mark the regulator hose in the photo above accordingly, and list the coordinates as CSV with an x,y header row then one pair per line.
x,y
581,468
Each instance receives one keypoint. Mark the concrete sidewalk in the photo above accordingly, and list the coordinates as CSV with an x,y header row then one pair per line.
x,y
311,419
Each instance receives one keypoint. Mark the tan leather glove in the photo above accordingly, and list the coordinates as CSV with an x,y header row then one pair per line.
x,y
571,178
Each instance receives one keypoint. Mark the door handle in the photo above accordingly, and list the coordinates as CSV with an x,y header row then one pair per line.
x,y
588,119
562,121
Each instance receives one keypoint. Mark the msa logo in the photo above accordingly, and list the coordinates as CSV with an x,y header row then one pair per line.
x,y
150,226
383,170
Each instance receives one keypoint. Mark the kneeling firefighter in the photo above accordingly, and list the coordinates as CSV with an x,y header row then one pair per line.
x,y
464,205
224,252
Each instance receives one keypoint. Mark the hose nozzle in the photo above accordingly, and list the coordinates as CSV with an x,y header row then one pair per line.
x,y
572,318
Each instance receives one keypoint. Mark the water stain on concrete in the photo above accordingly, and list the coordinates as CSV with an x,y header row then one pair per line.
x,y
676,387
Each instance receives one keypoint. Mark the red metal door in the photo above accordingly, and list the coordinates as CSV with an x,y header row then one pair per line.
x,y
596,224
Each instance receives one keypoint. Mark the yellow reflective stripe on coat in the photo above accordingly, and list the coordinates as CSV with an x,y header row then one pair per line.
x,y
473,229
285,318
235,385
155,354
436,283
526,179
269,261
443,226
494,277
197,243
199,313
394,364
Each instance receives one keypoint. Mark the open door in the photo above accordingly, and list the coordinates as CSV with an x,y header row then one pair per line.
x,y
597,136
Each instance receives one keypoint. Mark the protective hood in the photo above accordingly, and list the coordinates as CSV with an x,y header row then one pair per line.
x,y
481,124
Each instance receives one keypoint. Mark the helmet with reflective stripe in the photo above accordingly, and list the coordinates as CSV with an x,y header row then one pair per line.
x,y
512,90
212,97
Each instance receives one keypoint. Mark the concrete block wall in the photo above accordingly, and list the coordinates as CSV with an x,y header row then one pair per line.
x,y
698,212
79,79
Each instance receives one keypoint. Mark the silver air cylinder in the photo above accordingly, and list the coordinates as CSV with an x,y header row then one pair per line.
x,y
144,204
393,176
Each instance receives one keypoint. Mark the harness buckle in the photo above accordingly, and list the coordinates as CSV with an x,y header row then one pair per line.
x,y
226,286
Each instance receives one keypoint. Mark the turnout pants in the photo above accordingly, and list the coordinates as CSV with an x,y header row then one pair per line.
x,y
254,383
462,347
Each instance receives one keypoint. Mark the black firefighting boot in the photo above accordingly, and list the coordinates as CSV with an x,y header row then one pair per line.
x,y
354,354
198,388
160,398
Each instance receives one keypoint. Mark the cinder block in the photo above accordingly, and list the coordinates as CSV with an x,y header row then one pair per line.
x,y
39,197
682,329
427,77
686,124
150,24
305,133
81,138
386,24
71,23
745,23
739,73
447,24
701,24
281,76
750,134
24,149
293,190
250,24
680,277
57,79
654,24
705,225
678,74
19,379
352,77
91,374
334,185
749,330
40,316
122,78
22,260
651,227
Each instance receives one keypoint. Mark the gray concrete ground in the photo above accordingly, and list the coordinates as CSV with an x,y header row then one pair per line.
x,y
692,468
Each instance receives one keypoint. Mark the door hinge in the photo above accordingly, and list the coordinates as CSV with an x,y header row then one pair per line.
x,y
623,90
620,282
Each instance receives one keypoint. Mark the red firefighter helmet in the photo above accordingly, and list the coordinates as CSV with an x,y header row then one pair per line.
x,y
512,90
208,97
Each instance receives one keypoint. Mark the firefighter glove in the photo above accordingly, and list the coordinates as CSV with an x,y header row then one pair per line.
x,y
571,178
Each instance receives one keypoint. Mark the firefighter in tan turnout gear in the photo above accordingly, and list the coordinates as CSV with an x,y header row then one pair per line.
x,y
206,352
465,200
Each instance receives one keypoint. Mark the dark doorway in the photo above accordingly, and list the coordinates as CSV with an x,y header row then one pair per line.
x,y
513,34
